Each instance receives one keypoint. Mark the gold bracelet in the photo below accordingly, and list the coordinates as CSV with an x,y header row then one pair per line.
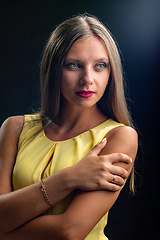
x,y
44,193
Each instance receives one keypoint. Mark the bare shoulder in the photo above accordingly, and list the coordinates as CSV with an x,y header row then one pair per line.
x,y
122,139
9,136
125,132
12,127
14,122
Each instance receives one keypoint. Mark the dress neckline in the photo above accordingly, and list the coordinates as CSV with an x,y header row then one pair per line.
x,y
77,136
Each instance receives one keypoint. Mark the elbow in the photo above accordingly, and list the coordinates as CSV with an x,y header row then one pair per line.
x,y
69,235
69,232
72,237
65,228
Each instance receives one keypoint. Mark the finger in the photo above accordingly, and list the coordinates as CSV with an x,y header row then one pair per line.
x,y
120,157
112,187
117,180
98,148
119,171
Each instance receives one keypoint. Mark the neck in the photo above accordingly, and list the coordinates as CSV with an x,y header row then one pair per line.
x,y
73,122
81,119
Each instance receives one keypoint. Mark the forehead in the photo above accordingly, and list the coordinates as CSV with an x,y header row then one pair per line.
x,y
91,47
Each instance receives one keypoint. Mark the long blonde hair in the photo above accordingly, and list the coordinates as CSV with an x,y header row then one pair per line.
x,y
113,102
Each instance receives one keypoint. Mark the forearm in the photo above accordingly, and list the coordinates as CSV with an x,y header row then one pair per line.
x,y
21,206
86,209
41,228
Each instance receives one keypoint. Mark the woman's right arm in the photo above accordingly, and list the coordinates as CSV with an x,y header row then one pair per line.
x,y
20,206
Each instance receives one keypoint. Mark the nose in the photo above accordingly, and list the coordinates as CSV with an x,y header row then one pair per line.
x,y
86,77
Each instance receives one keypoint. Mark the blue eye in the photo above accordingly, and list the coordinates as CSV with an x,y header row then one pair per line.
x,y
73,65
101,66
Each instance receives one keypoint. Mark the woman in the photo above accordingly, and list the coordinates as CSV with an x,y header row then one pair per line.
x,y
59,175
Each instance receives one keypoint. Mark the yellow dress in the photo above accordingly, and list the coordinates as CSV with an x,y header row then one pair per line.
x,y
37,156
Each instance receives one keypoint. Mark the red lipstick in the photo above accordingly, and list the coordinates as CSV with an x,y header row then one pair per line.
x,y
85,94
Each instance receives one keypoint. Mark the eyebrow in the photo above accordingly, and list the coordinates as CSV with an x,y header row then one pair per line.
x,y
97,60
103,59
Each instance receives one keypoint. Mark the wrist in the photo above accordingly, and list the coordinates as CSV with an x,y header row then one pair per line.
x,y
71,178
60,185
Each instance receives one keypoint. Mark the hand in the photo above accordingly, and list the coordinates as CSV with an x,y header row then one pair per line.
x,y
95,172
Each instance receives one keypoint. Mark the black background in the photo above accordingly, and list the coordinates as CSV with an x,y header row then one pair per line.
x,y
24,28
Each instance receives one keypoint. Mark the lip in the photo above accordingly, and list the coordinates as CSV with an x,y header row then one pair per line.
x,y
85,94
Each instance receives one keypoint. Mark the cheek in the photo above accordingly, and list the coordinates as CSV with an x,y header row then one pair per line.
x,y
67,84
103,82
68,78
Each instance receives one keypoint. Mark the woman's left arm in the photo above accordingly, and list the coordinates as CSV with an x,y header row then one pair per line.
x,y
86,208
90,207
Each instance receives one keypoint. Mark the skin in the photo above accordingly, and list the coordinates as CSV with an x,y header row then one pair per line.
x,y
87,68
94,172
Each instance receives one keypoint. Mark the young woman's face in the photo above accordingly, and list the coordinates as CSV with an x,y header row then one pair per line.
x,y
85,73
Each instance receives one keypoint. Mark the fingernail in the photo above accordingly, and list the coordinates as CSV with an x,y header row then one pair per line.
x,y
131,159
103,140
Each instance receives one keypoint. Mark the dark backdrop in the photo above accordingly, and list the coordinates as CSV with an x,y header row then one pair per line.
x,y
26,25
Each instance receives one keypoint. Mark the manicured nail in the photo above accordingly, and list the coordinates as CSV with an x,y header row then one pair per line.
x,y
103,140
131,159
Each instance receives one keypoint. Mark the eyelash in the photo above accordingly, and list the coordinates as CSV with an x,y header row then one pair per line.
x,y
77,65
70,65
104,65
74,66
